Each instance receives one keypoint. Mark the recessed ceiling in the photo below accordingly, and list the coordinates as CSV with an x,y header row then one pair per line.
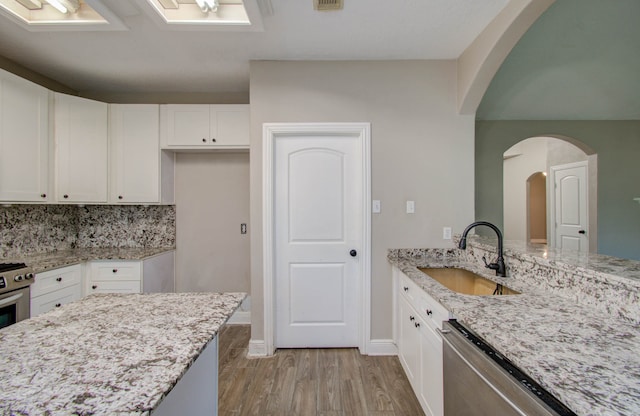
x,y
54,15
153,57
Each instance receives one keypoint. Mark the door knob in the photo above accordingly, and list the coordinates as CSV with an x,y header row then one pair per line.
x,y
582,232
353,253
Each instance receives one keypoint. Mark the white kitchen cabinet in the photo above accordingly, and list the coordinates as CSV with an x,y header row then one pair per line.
x,y
81,142
140,171
418,318
24,140
204,126
152,275
114,277
54,288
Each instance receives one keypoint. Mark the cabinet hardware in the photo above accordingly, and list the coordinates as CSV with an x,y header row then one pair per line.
x,y
204,140
58,279
406,289
213,140
43,195
94,287
412,318
115,270
417,324
353,253
58,305
65,196
120,197
429,311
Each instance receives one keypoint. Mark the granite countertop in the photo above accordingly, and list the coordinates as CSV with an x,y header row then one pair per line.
x,y
107,354
586,358
41,262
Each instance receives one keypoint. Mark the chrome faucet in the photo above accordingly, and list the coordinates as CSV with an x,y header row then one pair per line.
x,y
498,266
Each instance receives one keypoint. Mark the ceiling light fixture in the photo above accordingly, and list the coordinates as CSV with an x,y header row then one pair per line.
x,y
65,6
31,4
208,5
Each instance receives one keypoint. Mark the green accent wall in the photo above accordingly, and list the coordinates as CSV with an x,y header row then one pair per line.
x,y
617,144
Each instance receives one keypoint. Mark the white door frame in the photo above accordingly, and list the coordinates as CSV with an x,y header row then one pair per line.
x,y
551,197
270,133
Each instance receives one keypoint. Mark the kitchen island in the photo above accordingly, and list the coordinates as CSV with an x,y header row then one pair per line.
x,y
110,354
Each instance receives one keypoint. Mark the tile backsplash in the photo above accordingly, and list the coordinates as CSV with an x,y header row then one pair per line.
x,y
28,229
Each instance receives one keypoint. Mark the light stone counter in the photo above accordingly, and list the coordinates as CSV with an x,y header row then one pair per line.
x,y
587,356
107,354
40,262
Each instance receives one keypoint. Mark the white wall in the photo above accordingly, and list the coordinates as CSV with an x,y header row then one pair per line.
x,y
212,200
521,161
422,150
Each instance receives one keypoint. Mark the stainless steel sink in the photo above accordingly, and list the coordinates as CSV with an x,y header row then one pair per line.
x,y
466,282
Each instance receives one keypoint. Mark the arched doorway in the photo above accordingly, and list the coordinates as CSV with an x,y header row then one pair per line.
x,y
529,163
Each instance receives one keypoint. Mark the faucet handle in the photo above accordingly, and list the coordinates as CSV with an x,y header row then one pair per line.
x,y
492,266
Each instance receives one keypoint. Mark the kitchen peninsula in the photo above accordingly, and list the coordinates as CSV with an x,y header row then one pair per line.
x,y
573,328
114,354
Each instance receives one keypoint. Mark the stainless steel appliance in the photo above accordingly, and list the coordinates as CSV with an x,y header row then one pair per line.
x,y
15,279
479,381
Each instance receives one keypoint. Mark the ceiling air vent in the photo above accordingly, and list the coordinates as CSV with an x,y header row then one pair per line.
x,y
324,5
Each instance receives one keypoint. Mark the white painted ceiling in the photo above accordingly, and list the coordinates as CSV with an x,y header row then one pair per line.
x,y
148,58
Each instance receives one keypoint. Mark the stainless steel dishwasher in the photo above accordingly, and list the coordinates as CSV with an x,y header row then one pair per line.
x,y
478,381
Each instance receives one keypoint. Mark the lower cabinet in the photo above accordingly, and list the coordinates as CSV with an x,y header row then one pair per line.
x,y
419,345
114,277
152,275
54,288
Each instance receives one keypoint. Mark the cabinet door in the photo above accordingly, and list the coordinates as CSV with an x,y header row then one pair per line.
x,y
188,125
24,140
118,286
408,341
230,125
55,299
135,144
431,380
81,149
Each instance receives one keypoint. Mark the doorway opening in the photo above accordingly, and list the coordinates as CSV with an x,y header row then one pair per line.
x,y
526,169
537,208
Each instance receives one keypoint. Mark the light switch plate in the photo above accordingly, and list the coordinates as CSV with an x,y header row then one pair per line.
x,y
446,233
411,207
376,206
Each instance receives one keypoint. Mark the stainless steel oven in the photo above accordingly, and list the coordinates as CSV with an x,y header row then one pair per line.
x,y
15,279
479,381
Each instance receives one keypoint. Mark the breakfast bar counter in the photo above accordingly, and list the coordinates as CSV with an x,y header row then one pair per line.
x,y
108,354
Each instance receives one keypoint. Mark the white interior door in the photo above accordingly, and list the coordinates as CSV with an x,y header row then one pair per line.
x,y
318,227
570,207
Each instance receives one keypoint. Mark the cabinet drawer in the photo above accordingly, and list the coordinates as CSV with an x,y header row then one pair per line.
x,y
112,271
124,286
408,289
49,301
431,311
57,279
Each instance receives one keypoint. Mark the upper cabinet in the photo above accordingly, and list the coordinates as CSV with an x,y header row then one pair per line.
x,y
140,171
193,126
24,140
81,143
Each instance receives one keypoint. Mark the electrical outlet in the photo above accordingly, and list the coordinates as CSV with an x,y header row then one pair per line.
x,y
411,207
376,206
446,233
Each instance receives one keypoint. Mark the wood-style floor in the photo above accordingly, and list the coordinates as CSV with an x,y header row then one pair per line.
x,y
314,382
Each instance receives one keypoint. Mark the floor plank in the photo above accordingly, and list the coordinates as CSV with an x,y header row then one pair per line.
x,y
313,382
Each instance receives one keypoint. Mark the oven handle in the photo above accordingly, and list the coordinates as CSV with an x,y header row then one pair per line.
x,y
443,334
10,299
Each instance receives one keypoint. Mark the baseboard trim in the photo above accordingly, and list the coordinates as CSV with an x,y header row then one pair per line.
x,y
257,348
240,318
382,347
